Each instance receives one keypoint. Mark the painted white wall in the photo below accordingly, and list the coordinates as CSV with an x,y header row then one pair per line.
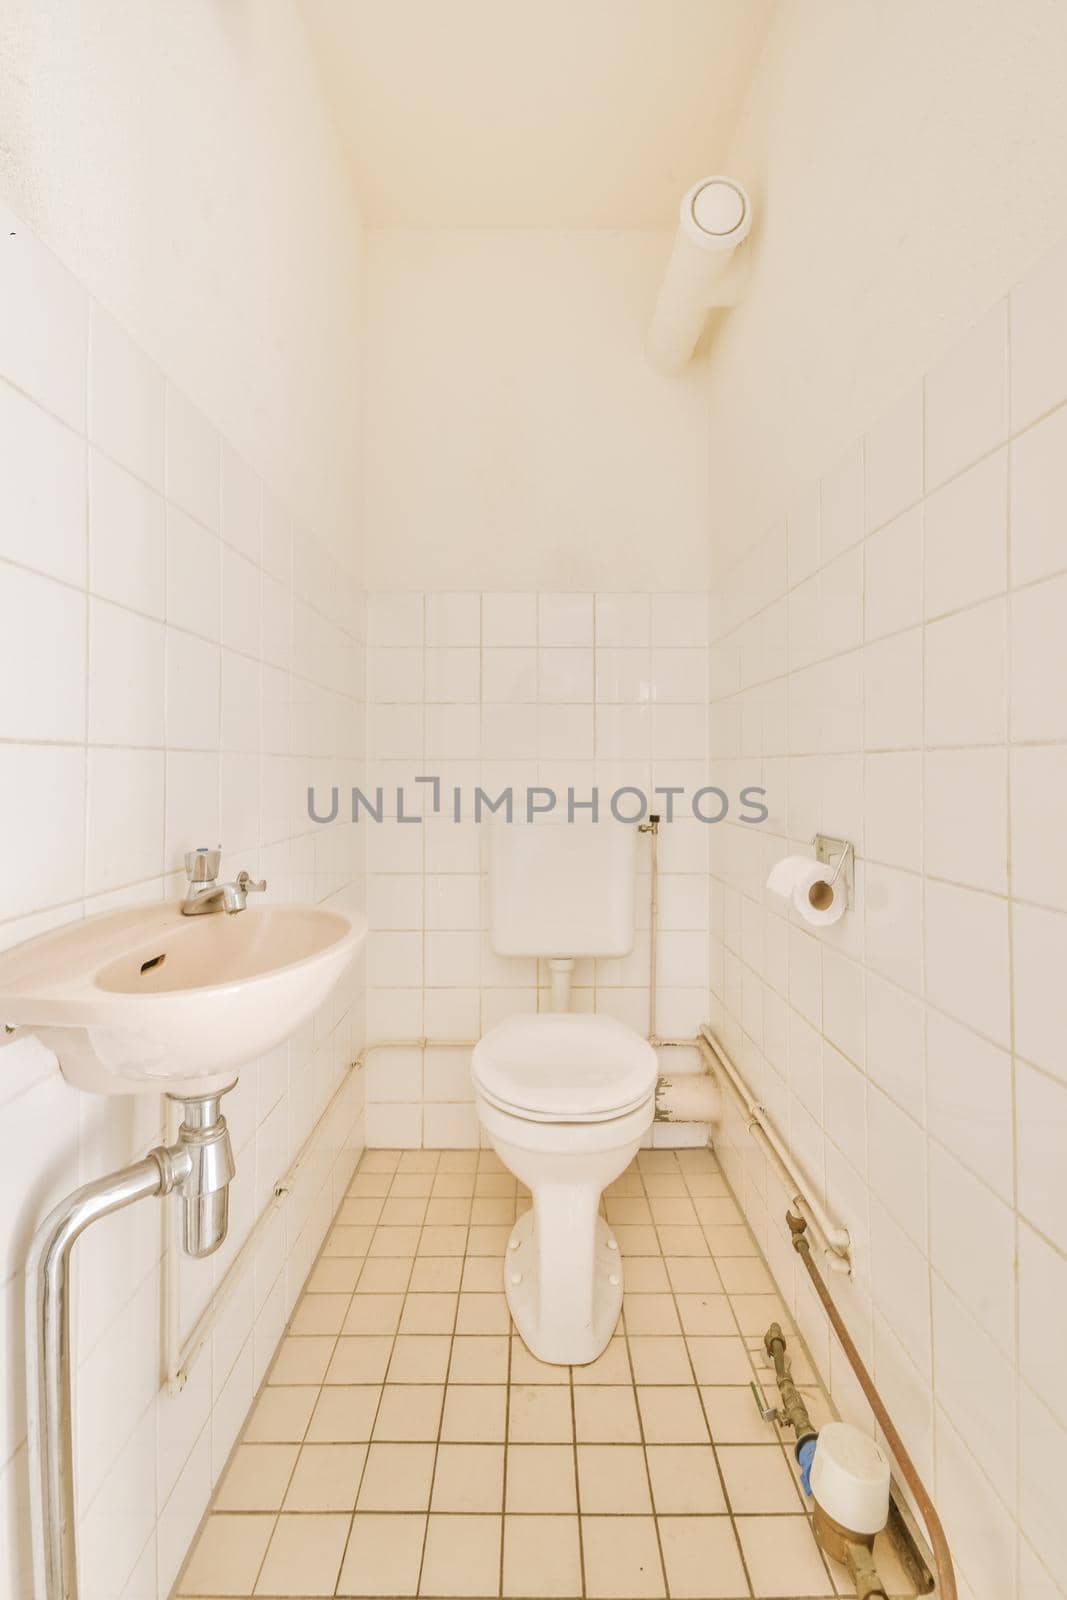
x,y
180,161
515,436
908,162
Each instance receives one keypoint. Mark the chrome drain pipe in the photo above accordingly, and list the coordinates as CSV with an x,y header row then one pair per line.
x,y
201,1155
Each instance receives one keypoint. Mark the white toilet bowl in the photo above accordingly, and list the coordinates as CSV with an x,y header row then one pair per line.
x,y
566,1101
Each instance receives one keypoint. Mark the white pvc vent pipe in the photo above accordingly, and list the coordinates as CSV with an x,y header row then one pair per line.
x,y
715,216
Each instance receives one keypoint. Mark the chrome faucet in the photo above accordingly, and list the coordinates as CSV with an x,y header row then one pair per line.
x,y
205,894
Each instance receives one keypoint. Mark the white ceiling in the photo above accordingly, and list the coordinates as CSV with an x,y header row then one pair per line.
x,y
537,113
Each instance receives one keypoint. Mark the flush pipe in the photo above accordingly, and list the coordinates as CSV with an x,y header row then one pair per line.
x,y
199,1168
946,1577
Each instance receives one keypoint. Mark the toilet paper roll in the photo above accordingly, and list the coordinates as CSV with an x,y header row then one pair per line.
x,y
807,884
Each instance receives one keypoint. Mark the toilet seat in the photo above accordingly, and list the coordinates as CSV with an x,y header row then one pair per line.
x,y
564,1068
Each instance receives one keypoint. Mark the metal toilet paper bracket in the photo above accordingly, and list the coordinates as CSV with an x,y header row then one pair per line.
x,y
827,851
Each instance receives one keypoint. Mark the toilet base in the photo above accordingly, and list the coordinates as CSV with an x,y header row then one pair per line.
x,y
577,1347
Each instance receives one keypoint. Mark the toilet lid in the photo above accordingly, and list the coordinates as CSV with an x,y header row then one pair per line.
x,y
564,1068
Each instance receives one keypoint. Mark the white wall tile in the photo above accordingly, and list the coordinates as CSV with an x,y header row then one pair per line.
x,y
192,692
1038,806
679,620
893,821
192,460
565,619
509,619
967,399
965,679
44,321
193,575
966,545
240,498
42,808
893,588
1039,951
1038,661
892,679
42,658
453,619
42,490
125,677
241,608
124,825
125,400
972,1246
622,620
967,957
969,1100
127,540
966,822
1039,500
1041,1122
894,459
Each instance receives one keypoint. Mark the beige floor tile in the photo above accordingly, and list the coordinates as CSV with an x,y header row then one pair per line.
x,y
344,1414
436,1275
660,1360
758,1479
720,1360
479,1360
359,1210
650,1314
483,1313
486,1211
621,1558
397,1477
681,1240
701,1558
412,1184
281,1414
626,1211
645,1275
606,1414
495,1183
488,1241
612,1366
399,1211
384,1554
419,1161
428,1313
656,1161
370,1183
475,1413
443,1240
351,1242
326,1477
454,1185
729,1241
385,1276
379,1161
612,1479
540,1413
320,1313
468,1477
637,1239
540,1478
448,1213
257,1477
374,1313
702,1185
673,1210
482,1275
335,1276
227,1556
658,1184
685,1480
462,1556
782,1557
693,1275
719,1210
458,1161
672,1416
362,1358
733,1417
394,1241
706,1314
542,1557
301,1360
746,1275
525,1368
420,1358
409,1412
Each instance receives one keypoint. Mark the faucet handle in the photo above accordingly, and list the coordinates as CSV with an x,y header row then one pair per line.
x,y
202,865
248,884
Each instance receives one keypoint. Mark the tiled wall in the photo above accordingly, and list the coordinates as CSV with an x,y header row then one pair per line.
x,y
177,658
892,664
564,690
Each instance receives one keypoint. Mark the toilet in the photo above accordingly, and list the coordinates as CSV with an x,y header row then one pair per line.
x,y
565,1099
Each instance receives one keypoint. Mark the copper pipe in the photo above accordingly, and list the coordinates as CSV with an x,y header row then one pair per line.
x,y
946,1577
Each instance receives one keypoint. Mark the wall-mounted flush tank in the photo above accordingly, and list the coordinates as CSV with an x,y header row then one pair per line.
x,y
715,216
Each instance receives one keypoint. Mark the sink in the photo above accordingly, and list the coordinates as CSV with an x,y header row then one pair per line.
x,y
146,999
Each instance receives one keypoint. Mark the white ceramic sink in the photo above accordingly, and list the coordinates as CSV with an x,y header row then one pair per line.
x,y
146,999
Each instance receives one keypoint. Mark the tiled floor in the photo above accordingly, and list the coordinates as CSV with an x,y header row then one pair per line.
x,y
406,1442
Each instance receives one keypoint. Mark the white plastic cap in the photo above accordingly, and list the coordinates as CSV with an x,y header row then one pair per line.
x,y
850,1478
716,214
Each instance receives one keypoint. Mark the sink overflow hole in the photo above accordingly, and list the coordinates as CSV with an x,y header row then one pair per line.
x,y
154,961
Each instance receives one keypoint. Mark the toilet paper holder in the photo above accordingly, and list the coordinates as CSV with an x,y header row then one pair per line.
x,y
829,849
